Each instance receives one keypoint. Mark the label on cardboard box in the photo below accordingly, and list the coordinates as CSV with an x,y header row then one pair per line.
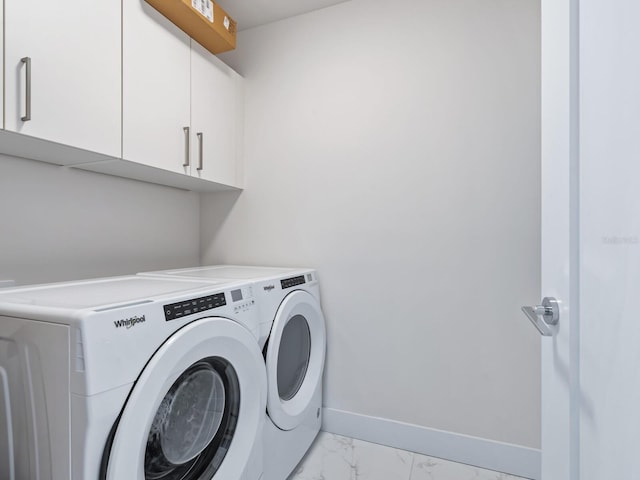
x,y
226,22
205,7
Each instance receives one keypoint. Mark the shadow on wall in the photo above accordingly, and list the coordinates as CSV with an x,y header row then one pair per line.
x,y
215,210
66,224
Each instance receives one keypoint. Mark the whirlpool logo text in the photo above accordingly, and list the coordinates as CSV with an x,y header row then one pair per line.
x,y
129,322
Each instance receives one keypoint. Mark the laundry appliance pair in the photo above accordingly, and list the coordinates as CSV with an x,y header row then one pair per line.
x,y
293,339
138,377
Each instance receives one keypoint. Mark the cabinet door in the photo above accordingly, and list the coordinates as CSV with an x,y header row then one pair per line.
x,y
216,113
73,49
156,83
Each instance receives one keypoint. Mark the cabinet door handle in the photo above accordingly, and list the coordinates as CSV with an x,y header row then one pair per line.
x,y
201,154
187,153
27,94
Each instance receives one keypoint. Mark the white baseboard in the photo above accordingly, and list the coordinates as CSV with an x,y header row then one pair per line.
x,y
501,457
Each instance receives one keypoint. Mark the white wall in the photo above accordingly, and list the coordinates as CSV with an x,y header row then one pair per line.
x,y
395,147
59,224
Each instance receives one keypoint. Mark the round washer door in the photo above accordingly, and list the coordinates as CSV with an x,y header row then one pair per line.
x,y
295,358
196,410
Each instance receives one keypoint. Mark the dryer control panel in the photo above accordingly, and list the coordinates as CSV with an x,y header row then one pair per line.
x,y
178,310
292,282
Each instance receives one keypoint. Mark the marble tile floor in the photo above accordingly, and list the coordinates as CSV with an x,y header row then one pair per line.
x,y
334,457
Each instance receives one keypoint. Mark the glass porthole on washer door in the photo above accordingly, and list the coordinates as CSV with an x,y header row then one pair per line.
x,y
293,356
194,425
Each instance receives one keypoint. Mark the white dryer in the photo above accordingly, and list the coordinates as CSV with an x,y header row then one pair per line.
x,y
130,378
293,337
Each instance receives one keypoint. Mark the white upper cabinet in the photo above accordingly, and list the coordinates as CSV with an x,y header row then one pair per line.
x,y
182,106
68,53
156,84
216,118
114,87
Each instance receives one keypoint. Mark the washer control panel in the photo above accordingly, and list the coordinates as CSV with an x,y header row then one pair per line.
x,y
178,310
242,299
243,306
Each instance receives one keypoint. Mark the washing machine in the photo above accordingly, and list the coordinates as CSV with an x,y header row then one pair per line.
x,y
131,378
293,339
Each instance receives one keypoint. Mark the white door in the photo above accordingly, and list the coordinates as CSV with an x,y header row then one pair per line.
x,y
559,369
610,239
591,239
216,116
71,53
197,409
295,359
155,89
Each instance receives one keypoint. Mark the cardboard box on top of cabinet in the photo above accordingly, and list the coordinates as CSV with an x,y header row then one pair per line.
x,y
203,20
